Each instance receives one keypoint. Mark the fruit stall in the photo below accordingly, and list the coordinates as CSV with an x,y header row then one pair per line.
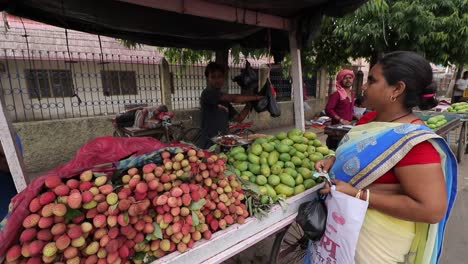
x,y
175,204
110,205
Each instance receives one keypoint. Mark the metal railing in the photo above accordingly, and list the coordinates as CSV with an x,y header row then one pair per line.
x,y
42,85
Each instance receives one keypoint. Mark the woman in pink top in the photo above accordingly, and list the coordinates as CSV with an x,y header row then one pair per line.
x,y
340,105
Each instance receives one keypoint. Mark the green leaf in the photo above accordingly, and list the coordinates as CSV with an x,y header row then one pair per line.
x,y
195,220
139,255
157,231
213,148
194,206
72,213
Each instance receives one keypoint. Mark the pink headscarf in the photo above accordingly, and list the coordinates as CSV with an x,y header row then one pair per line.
x,y
340,78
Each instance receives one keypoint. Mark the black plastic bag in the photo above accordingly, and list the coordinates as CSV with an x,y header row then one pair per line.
x,y
273,106
312,217
247,80
261,105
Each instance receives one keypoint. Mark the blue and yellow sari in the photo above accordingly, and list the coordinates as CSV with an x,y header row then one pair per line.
x,y
365,154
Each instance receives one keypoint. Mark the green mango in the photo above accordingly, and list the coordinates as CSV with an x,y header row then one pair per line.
x,y
315,157
264,155
263,160
280,163
261,180
298,189
276,169
300,147
289,164
295,132
247,173
268,147
282,148
253,179
310,149
241,165
254,168
292,151
287,141
260,141
309,183
240,156
291,172
305,172
265,170
285,157
317,143
296,160
323,149
235,150
273,158
237,172
256,149
300,156
253,158
287,179
274,180
281,135
299,179
271,192
310,135
270,138
306,163
284,190
296,139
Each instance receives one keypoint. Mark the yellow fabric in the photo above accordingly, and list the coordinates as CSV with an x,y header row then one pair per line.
x,y
384,239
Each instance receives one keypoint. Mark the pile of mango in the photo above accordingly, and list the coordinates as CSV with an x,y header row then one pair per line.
x,y
461,107
281,165
436,121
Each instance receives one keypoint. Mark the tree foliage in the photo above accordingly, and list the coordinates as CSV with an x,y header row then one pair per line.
x,y
436,29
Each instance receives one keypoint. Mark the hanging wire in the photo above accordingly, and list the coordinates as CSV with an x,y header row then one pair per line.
x,y
36,91
70,62
75,94
106,90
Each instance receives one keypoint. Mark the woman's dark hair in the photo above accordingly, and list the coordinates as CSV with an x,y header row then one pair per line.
x,y
416,72
213,67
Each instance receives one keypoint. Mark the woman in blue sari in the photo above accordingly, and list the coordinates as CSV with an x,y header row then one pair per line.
x,y
405,170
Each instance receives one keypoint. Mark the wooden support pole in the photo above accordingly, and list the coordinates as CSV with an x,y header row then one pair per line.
x,y
10,148
167,88
296,72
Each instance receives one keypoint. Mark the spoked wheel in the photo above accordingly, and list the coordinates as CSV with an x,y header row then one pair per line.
x,y
172,133
290,246
191,135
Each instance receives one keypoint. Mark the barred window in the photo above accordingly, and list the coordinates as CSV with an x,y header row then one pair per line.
x,y
118,82
45,83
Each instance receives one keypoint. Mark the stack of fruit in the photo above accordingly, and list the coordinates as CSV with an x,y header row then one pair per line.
x,y
436,121
144,214
461,107
281,164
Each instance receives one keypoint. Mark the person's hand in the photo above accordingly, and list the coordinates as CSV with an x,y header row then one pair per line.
x,y
340,186
324,165
345,122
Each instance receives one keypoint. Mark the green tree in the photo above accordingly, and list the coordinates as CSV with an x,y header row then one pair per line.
x,y
437,29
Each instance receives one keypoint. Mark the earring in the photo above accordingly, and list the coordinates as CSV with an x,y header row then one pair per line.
x,y
392,99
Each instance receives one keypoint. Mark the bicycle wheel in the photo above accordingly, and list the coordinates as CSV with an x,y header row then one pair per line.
x,y
290,246
174,133
243,132
191,135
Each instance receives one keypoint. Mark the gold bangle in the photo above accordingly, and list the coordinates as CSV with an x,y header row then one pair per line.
x,y
358,193
368,195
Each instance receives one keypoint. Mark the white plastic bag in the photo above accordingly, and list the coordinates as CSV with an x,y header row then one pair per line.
x,y
344,221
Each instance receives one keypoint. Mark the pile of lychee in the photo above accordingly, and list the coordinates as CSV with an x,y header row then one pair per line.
x,y
145,213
